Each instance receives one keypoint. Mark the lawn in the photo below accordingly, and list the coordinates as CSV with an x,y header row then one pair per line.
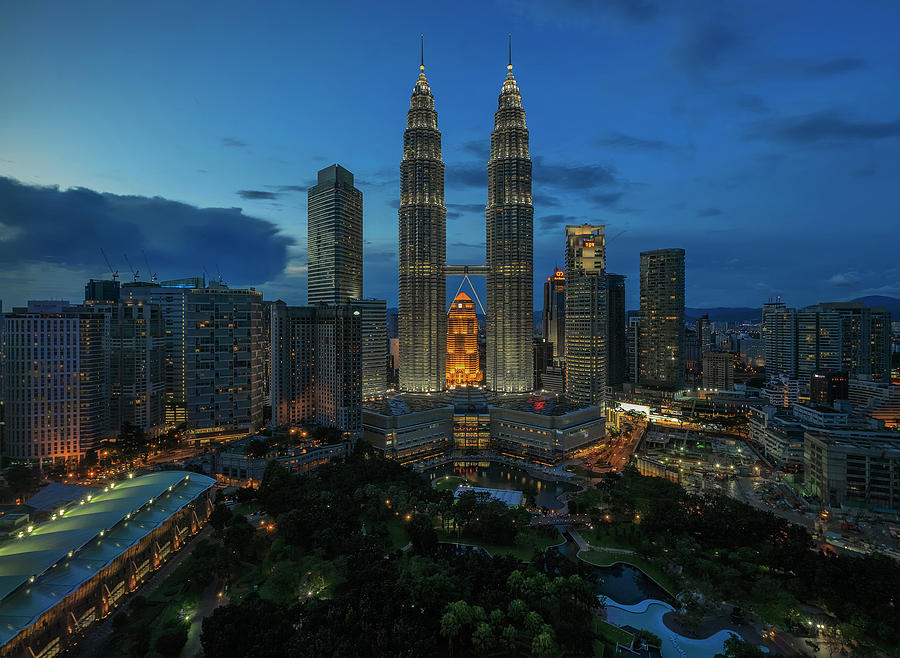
x,y
449,482
527,542
649,567
612,634
606,537
397,532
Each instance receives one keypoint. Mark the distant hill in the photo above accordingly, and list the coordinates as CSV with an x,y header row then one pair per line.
x,y
890,303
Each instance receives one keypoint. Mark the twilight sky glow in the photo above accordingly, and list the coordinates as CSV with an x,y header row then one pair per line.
x,y
761,137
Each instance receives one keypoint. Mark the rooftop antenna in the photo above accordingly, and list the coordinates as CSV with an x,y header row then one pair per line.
x,y
147,263
219,273
134,272
115,274
422,52
617,235
509,38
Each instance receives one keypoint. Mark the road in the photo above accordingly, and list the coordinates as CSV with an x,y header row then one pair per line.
x,y
213,597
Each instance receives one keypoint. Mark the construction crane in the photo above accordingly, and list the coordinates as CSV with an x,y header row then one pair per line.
x,y
134,272
147,263
617,235
115,274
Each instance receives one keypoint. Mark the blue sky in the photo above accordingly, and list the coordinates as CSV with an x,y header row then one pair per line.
x,y
761,137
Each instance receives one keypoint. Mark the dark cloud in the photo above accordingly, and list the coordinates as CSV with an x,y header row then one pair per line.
x,y
848,279
480,148
820,127
632,11
619,140
466,207
393,203
179,238
542,200
255,195
834,66
468,245
709,212
232,141
549,222
291,188
607,200
751,103
705,46
566,177
471,174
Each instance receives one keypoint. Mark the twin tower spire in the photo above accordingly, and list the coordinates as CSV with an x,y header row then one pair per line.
x,y
509,222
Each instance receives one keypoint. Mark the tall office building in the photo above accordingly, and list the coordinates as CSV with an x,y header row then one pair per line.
x,y
99,290
54,389
373,347
818,342
826,386
423,247
553,317
224,350
335,238
632,346
704,336
510,247
587,321
779,333
135,355
661,346
339,369
865,339
462,343
616,360
292,375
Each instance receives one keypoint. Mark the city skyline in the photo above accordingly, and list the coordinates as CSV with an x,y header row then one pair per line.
x,y
749,109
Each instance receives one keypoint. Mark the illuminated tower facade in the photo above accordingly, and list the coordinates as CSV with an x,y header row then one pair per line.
x,y
587,314
553,318
422,317
661,342
510,247
462,343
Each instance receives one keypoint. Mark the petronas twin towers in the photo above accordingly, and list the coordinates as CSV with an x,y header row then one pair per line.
x,y
423,248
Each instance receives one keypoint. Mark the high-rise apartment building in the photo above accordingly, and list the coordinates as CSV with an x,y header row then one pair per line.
x,y
510,247
317,366
135,358
587,321
170,297
718,371
335,238
423,248
661,343
553,317
848,337
339,369
373,347
616,359
292,375
223,359
54,388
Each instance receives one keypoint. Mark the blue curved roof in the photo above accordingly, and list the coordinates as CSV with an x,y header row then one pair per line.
x,y
58,556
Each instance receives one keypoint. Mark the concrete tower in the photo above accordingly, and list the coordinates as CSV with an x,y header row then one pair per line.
x,y
510,247
423,239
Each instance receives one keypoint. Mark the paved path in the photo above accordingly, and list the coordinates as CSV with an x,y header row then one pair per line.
x,y
210,601
582,543
101,631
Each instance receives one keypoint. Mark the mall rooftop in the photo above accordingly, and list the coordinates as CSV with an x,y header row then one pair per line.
x,y
43,563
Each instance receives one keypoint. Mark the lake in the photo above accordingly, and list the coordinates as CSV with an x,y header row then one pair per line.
x,y
497,476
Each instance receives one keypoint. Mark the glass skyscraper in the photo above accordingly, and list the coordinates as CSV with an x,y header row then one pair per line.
x,y
335,238
661,342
